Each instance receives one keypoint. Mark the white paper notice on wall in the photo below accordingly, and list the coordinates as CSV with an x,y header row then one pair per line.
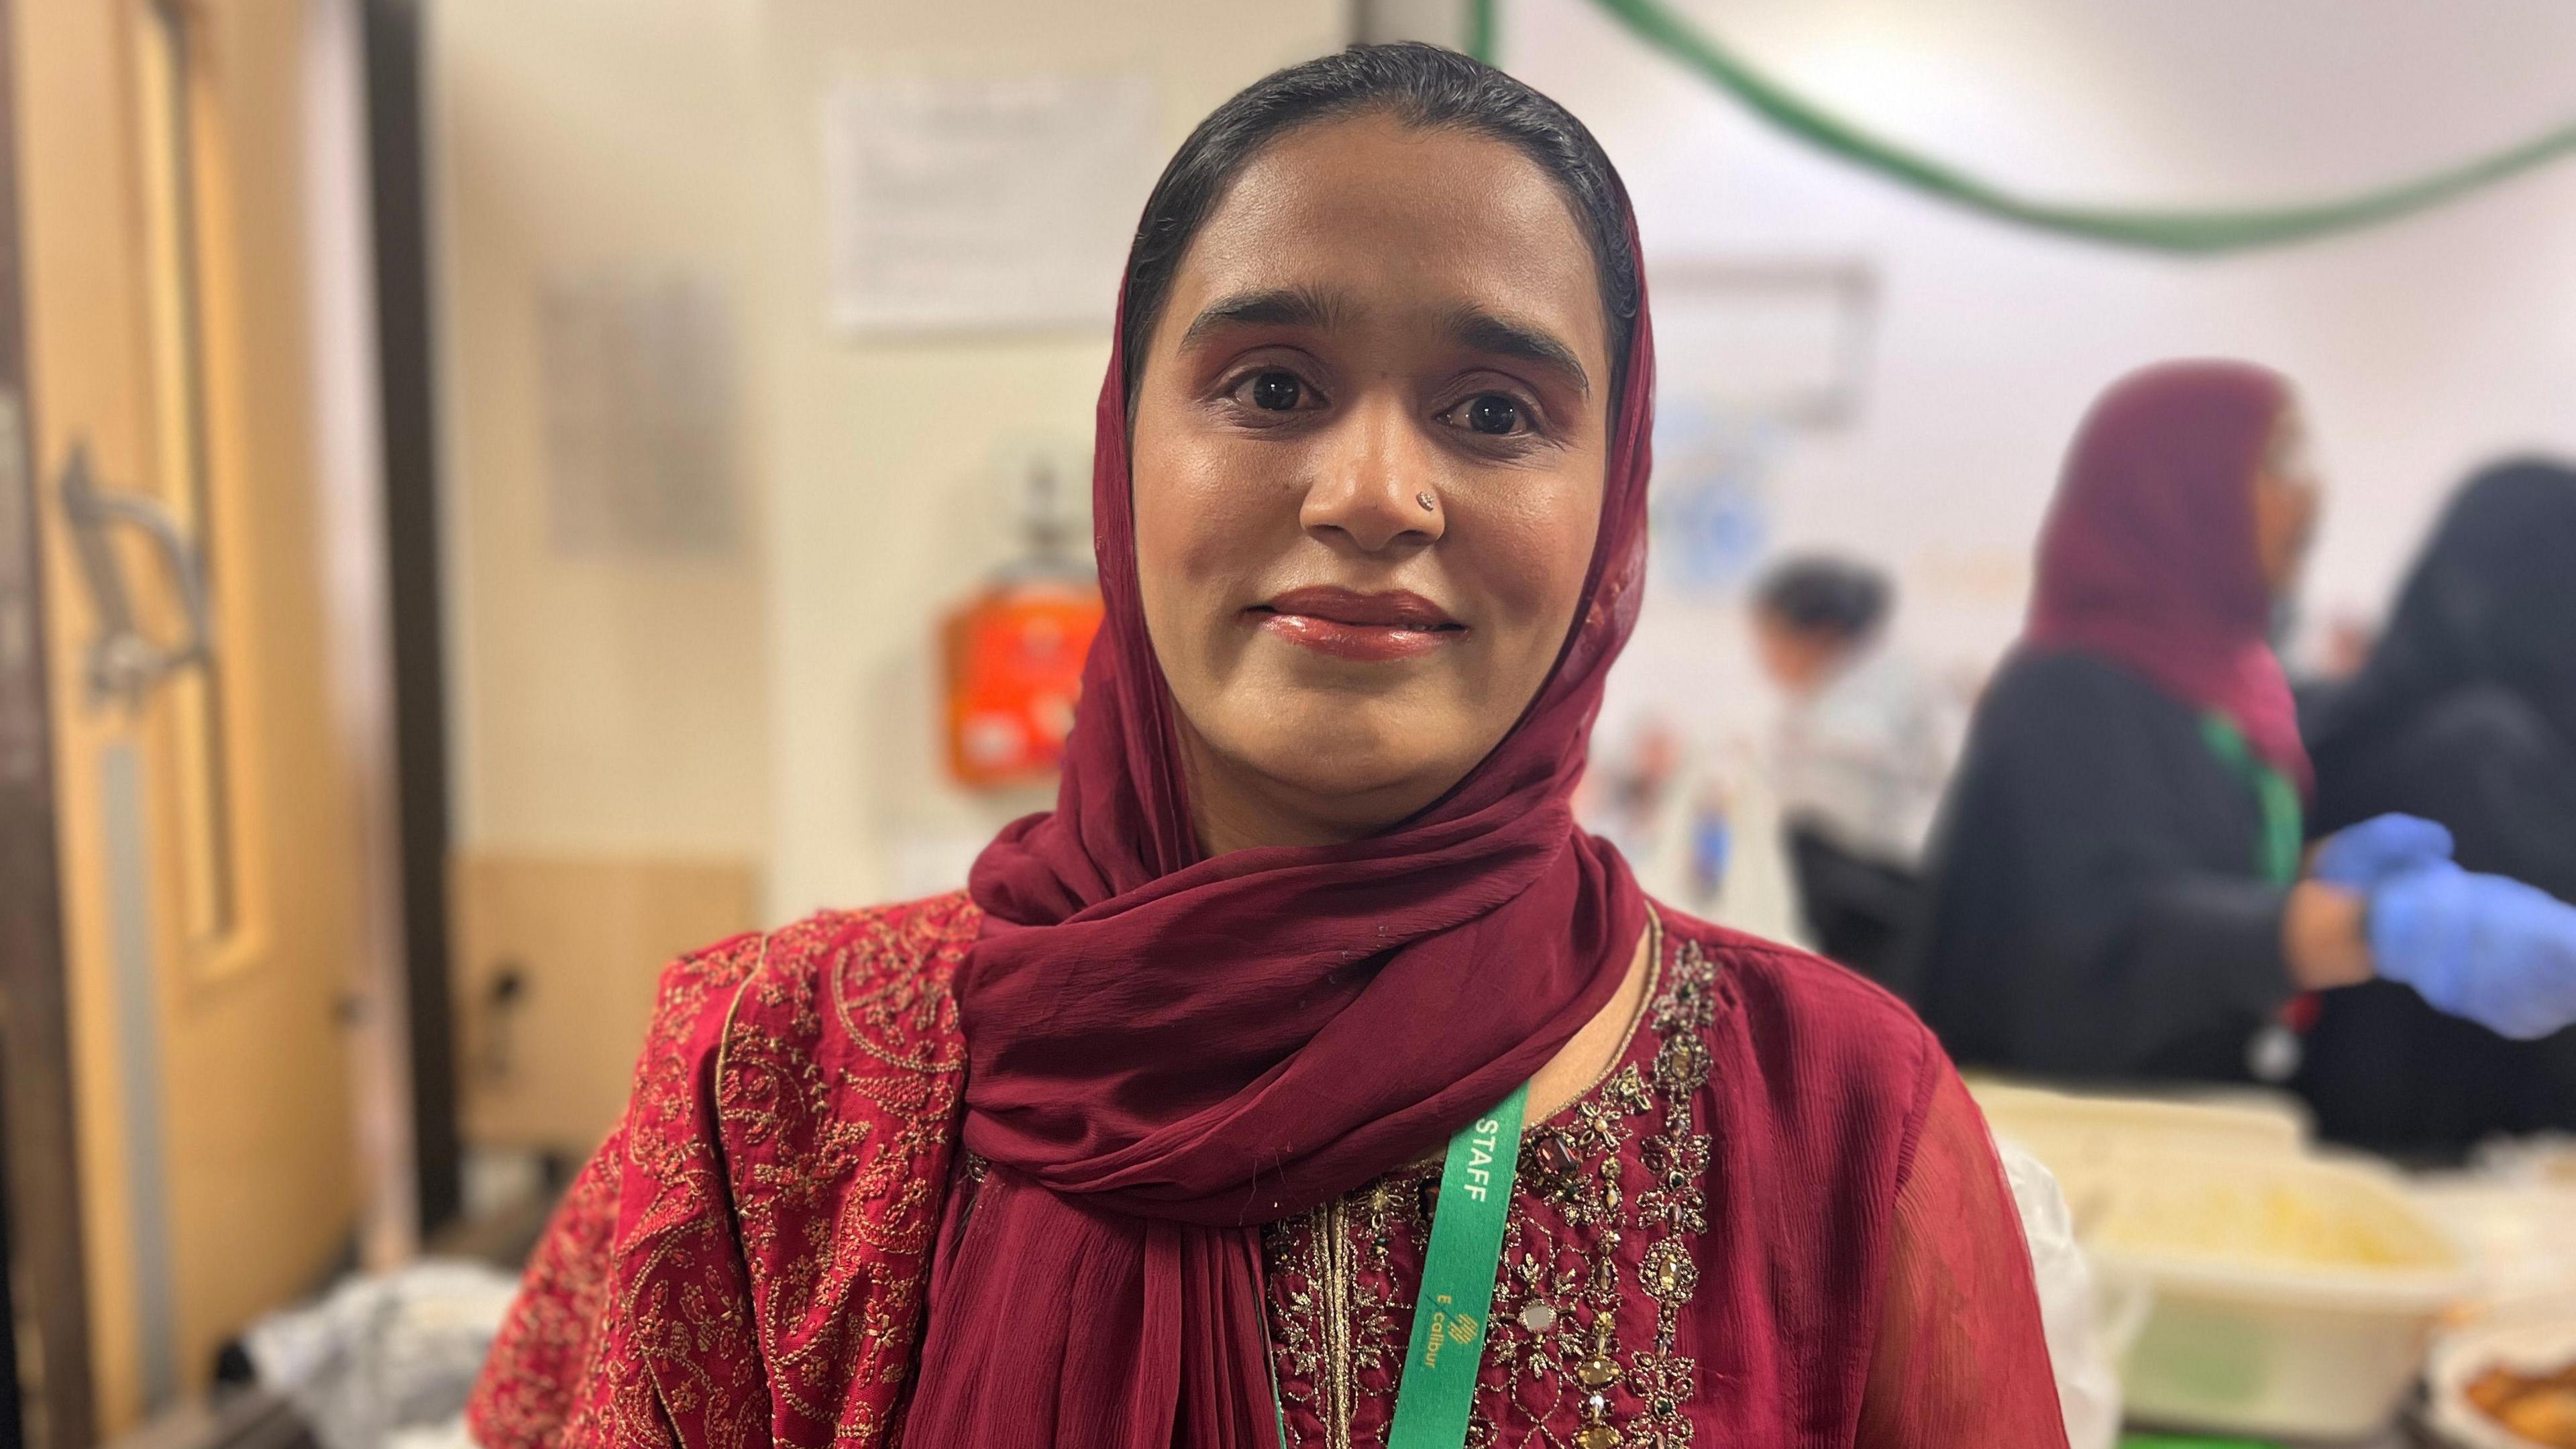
x,y
996,203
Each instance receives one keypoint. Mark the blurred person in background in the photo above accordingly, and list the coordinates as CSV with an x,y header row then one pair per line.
x,y
1124,1146
2464,713
1860,758
2118,892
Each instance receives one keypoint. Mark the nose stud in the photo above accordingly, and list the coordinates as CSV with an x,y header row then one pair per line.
x,y
1429,503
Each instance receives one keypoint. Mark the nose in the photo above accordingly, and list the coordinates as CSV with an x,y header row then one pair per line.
x,y
1372,473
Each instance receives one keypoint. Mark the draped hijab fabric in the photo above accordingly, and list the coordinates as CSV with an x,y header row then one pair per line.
x,y
2491,601
2149,557
1166,1051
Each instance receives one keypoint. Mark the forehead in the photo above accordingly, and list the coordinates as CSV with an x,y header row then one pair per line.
x,y
1400,219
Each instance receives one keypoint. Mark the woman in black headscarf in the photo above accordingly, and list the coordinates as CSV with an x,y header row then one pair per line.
x,y
2465,714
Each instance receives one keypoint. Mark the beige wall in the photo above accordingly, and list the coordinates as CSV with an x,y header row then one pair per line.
x,y
600,705
776,705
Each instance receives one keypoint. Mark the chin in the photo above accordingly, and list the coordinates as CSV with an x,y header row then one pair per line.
x,y
1339,753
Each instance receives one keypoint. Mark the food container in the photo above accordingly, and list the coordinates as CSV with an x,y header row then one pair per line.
x,y
2289,1294
2519,1237
2533,1336
2293,1295
2071,1131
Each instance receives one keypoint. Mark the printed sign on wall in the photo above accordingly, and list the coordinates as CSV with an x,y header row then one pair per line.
x,y
984,203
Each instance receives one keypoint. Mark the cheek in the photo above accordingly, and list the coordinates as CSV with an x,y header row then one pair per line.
x,y
1528,553
2282,519
1767,650
2312,506
1204,529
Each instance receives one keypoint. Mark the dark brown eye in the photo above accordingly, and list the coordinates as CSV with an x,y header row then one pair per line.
x,y
1277,392
1493,414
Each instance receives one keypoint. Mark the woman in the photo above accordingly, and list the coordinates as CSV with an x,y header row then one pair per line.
x,y
2118,891
1864,748
2466,710
2464,714
1140,1141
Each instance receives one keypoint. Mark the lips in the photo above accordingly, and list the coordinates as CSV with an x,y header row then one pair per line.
x,y
1347,624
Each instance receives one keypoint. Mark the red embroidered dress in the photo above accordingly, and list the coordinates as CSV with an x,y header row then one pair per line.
x,y
1775,1219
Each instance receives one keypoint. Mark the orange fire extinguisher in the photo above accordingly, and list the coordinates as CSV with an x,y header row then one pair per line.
x,y
1014,654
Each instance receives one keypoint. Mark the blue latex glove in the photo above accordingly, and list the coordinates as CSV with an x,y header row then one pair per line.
x,y
2363,855
2496,951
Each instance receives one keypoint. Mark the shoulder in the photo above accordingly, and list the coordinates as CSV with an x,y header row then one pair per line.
x,y
913,945
878,977
1866,700
1817,1085
1778,979
2054,713
1801,1022
1883,680
2055,682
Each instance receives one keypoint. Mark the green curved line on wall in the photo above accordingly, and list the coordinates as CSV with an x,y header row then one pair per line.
x,y
2192,231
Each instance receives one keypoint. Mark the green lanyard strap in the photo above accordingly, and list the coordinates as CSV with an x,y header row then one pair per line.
x,y
2283,834
1439,1382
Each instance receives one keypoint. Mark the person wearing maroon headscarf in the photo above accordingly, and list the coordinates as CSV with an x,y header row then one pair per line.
x,y
2120,888
1137,1142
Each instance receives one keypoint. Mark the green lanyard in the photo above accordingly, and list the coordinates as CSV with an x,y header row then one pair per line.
x,y
1458,1268
1439,1383
2284,832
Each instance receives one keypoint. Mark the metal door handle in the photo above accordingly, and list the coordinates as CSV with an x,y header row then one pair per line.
x,y
124,663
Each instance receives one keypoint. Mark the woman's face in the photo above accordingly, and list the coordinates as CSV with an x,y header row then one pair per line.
x,y
2287,497
1369,448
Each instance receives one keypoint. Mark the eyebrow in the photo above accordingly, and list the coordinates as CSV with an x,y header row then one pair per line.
x,y
1470,327
1277,307
1481,331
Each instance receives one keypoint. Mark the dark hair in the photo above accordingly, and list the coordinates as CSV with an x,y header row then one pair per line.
x,y
1420,85
1819,595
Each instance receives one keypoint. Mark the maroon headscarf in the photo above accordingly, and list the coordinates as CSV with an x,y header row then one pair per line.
x,y
1166,1051
2148,557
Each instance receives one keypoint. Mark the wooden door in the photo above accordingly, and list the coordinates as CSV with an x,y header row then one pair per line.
x,y
211,798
